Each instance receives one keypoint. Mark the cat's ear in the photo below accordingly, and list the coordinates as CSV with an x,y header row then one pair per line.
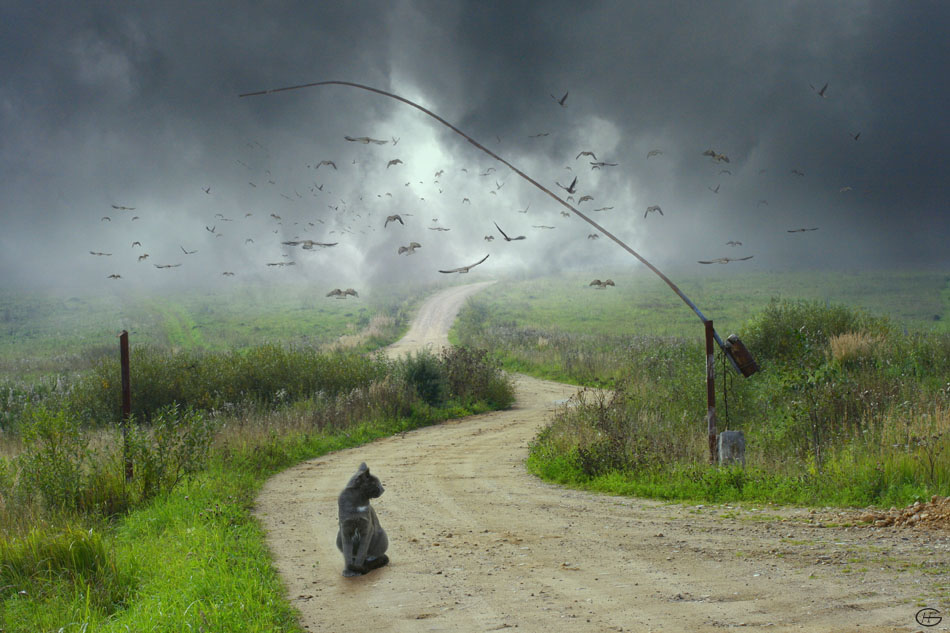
x,y
363,468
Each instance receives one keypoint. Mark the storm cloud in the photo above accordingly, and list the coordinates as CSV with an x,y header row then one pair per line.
x,y
136,105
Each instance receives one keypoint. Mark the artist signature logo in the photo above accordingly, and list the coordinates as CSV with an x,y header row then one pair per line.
x,y
928,617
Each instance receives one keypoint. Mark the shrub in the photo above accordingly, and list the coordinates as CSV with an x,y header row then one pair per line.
x,y
176,444
799,331
425,375
54,456
471,375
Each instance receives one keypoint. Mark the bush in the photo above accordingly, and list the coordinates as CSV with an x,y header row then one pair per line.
x,y
798,331
473,375
53,462
175,445
425,375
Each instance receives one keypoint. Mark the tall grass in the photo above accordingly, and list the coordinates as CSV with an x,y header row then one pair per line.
x,y
847,409
82,548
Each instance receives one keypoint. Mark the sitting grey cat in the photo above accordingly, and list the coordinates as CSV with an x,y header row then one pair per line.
x,y
361,538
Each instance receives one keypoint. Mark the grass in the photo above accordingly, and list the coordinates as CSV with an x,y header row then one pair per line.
x,y
47,333
641,304
80,550
850,408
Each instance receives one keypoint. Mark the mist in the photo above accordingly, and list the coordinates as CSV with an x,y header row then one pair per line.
x,y
105,106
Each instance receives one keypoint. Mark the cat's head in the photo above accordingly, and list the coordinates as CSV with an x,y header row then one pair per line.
x,y
367,483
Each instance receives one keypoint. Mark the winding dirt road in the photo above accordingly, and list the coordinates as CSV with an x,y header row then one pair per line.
x,y
477,544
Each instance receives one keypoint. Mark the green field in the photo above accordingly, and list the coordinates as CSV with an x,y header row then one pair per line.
x,y
851,405
641,304
46,333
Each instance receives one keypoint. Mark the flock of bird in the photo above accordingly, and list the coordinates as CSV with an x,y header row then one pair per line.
x,y
354,216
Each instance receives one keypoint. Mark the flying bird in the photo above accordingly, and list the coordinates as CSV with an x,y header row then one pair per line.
x,y
166,265
186,252
716,190
136,243
725,260
326,162
308,244
586,153
815,228
409,250
105,218
210,229
438,228
228,273
207,190
504,235
393,218
114,276
121,208
525,210
281,264
855,136
143,257
604,209
394,161
600,164
585,199
100,254
761,202
593,236
724,171
489,238
342,294
820,93
716,156
733,243
844,189
798,172
571,188
465,269
539,135
652,208
653,152
365,140
464,200
600,285
561,101
541,226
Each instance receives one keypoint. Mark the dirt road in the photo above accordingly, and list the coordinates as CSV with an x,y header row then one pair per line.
x,y
477,544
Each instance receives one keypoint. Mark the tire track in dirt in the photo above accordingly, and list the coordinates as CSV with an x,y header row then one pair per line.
x,y
477,544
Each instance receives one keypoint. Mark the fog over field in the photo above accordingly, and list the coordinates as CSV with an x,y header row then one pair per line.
x,y
832,117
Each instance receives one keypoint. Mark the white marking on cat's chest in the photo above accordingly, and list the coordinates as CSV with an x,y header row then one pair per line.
x,y
362,508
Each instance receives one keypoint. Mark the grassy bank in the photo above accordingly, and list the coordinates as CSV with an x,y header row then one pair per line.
x,y
176,548
849,408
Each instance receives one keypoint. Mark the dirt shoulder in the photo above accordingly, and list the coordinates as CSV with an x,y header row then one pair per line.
x,y
477,544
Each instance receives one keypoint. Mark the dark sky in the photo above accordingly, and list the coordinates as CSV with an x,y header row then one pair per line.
x,y
136,104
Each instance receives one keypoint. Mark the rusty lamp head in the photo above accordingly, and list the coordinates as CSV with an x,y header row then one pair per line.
x,y
740,356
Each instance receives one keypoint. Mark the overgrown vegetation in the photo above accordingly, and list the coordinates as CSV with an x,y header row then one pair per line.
x,y
82,546
848,408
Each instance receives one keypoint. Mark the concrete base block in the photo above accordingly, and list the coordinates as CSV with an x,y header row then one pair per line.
x,y
731,448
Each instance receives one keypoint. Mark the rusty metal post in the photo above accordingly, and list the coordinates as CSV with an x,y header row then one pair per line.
x,y
711,391
126,401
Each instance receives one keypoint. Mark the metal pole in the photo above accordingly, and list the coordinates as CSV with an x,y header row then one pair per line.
x,y
711,391
126,401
